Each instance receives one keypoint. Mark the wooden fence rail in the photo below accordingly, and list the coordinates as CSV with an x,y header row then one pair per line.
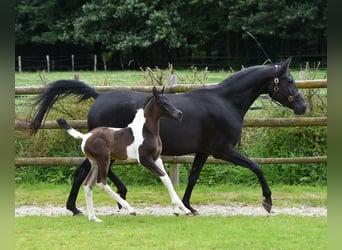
x,y
175,160
248,122
188,159
173,89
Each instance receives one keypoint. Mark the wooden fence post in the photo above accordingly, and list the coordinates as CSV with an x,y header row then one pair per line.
x,y
104,62
171,80
95,62
48,62
72,63
19,63
174,173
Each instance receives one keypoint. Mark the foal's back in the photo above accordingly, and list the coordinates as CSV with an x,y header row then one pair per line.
x,y
120,143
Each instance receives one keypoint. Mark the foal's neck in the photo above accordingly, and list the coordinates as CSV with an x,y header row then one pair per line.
x,y
152,118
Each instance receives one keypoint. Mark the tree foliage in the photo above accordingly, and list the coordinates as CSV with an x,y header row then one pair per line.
x,y
197,26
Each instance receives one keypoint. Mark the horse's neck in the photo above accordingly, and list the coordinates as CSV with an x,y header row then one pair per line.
x,y
245,87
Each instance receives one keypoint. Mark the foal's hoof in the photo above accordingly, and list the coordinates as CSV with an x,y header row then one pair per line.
x,y
267,206
133,213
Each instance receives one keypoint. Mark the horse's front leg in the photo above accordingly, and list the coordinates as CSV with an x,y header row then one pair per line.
x,y
196,169
232,155
80,174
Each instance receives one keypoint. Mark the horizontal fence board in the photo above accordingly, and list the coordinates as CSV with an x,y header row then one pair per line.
x,y
178,88
248,122
188,159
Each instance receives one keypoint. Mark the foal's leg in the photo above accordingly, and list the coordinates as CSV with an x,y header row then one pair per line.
x,y
157,168
103,163
121,201
88,186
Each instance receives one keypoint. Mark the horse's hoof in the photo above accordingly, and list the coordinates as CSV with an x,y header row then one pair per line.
x,y
267,206
195,212
74,210
77,213
176,213
133,213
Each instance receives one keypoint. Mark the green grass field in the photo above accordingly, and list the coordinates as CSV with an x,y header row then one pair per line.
x,y
171,232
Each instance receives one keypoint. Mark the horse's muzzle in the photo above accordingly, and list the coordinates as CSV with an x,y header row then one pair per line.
x,y
179,115
299,109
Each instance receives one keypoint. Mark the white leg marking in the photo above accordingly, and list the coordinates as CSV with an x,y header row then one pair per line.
x,y
117,197
90,206
178,204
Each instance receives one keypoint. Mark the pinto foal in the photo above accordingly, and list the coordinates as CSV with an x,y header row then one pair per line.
x,y
140,141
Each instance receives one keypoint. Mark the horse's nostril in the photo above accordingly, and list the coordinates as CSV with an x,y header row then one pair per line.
x,y
180,115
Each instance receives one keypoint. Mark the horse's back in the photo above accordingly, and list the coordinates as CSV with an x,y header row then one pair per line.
x,y
115,108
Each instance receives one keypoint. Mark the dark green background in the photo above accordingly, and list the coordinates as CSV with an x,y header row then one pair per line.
x,y
7,125
334,125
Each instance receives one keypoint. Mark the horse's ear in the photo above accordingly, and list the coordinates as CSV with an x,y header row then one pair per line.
x,y
288,61
284,66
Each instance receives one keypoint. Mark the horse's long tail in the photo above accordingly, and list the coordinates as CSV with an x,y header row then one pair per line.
x,y
56,91
73,132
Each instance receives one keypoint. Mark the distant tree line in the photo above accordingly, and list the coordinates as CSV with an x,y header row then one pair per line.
x,y
155,32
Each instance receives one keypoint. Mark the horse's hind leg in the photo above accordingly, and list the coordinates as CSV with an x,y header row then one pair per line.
x,y
236,157
80,174
121,188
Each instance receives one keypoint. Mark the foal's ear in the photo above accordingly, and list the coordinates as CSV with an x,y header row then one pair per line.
x,y
154,91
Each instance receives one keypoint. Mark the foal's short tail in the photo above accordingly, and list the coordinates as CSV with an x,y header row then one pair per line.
x,y
73,132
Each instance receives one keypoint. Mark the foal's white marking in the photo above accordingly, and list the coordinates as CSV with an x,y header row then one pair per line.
x,y
76,134
137,128
178,204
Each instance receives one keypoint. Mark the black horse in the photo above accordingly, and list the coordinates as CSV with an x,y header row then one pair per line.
x,y
212,123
